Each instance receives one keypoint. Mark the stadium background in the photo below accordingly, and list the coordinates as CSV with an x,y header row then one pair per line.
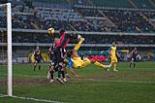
x,y
130,23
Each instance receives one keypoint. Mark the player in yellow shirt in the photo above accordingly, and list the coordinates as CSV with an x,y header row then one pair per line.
x,y
113,56
76,62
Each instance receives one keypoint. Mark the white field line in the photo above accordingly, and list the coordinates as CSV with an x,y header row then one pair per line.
x,y
32,99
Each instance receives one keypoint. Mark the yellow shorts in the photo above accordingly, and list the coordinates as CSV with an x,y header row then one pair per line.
x,y
81,63
114,60
86,62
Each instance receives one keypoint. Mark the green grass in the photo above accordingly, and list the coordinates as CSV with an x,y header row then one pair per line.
x,y
96,86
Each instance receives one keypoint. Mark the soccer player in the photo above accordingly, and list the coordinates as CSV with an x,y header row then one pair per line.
x,y
113,56
133,55
59,54
50,53
76,62
36,58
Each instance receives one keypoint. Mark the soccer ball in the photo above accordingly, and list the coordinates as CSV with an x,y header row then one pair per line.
x,y
51,31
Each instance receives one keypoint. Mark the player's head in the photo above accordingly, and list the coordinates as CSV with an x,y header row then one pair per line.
x,y
135,49
37,48
61,31
113,44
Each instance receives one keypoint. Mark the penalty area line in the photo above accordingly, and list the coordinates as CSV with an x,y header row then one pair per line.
x,y
32,99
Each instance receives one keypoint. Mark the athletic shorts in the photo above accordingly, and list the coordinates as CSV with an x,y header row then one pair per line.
x,y
114,60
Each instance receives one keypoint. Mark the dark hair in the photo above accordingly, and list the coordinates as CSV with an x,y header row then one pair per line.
x,y
61,31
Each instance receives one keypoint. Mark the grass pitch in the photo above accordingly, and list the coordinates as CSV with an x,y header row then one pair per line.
x,y
95,86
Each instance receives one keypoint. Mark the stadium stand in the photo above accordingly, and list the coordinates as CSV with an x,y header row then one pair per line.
x,y
60,14
107,16
144,4
91,39
112,3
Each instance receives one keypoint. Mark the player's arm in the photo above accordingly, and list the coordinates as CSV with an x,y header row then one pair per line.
x,y
117,54
41,57
110,51
33,57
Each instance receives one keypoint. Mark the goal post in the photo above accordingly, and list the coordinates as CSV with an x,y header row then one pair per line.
x,y
9,48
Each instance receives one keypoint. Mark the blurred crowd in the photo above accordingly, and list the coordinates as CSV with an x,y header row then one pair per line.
x,y
36,16
91,39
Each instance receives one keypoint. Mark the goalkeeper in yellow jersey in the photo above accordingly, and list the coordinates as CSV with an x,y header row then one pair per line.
x,y
113,56
76,62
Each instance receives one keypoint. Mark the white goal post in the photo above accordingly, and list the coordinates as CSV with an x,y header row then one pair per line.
x,y
9,48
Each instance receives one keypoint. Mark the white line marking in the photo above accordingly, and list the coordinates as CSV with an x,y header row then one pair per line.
x,y
33,99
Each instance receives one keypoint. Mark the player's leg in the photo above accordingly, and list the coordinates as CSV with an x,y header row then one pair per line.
x,y
39,65
50,74
61,71
102,65
134,65
131,63
34,65
34,62
114,64
134,62
78,45
52,67
85,62
62,61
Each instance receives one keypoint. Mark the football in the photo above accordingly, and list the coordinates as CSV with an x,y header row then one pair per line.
x,y
51,31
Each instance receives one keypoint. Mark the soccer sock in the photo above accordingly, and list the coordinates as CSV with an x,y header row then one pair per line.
x,y
99,64
51,73
34,68
39,67
115,65
130,65
134,65
63,74
59,70
59,74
